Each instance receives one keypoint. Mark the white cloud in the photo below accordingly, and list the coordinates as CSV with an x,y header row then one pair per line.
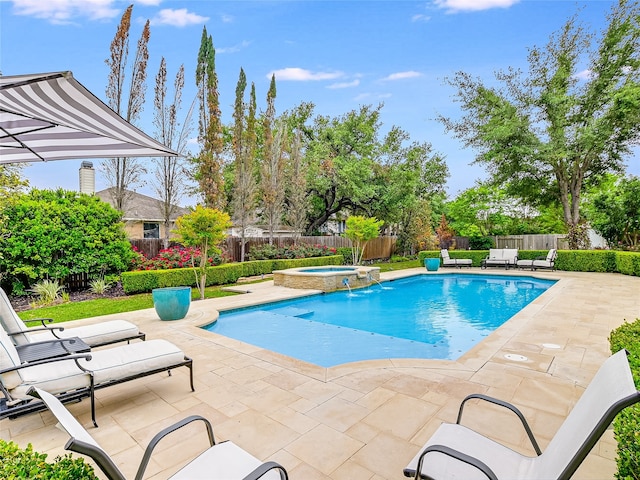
x,y
420,17
149,3
234,48
452,6
64,11
177,18
302,75
354,83
226,18
584,75
402,75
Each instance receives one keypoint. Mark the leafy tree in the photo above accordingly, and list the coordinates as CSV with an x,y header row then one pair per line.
x,y
124,173
360,230
204,229
341,164
57,233
408,178
209,163
614,211
170,179
12,185
445,233
244,146
547,135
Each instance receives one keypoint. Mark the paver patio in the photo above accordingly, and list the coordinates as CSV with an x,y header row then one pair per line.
x,y
357,421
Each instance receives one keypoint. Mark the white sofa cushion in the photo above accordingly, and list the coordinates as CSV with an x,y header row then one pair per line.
x,y
510,254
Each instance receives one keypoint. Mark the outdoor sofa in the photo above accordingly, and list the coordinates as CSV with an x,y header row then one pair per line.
x,y
96,335
501,257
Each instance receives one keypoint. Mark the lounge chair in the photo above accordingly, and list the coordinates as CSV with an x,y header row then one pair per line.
x,y
76,376
540,262
454,262
95,335
455,451
223,460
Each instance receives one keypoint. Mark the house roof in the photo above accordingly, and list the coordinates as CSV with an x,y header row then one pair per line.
x,y
140,207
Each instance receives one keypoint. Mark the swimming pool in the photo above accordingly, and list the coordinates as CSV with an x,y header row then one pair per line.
x,y
425,316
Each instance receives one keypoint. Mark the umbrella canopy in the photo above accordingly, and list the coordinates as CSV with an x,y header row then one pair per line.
x,y
51,116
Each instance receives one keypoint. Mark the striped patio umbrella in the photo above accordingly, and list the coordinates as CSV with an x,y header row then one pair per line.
x,y
51,116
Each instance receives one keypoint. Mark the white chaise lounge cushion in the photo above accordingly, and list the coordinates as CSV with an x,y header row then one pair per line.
x,y
223,460
503,461
107,365
9,358
94,334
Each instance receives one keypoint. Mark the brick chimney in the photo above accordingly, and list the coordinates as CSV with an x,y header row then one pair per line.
x,y
87,178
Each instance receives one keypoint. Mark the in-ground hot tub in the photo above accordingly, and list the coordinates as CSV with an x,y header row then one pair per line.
x,y
327,278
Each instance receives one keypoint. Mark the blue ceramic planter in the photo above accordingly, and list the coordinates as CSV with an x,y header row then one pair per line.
x,y
432,264
171,303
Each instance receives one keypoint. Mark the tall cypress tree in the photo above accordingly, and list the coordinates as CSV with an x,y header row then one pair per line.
x,y
209,162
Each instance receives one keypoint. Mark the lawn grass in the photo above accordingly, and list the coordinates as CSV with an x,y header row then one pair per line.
x,y
393,266
105,306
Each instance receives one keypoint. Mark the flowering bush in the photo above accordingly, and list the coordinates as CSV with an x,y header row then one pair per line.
x,y
271,252
172,257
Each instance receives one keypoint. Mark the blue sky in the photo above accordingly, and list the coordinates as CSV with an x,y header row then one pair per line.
x,y
336,54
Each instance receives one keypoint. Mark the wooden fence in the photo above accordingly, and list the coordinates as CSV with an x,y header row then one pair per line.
x,y
381,247
531,242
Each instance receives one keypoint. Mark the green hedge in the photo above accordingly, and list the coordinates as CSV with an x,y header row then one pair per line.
x,y
16,463
613,261
146,280
626,426
475,255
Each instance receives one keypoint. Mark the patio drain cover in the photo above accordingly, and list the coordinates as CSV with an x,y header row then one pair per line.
x,y
515,358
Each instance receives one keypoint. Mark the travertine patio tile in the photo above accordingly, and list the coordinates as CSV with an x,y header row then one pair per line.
x,y
294,420
258,434
401,416
270,399
362,420
324,448
386,455
338,413
350,470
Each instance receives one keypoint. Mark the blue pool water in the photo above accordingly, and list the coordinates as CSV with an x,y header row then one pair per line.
x,y
425,316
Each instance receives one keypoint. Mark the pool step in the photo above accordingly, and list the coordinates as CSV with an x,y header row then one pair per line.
x,y
292,311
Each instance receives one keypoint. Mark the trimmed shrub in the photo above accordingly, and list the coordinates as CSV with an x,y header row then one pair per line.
x,y
586,260
347,254
480,243
476,256
628,263
17,463
146,280
626,426
613,261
